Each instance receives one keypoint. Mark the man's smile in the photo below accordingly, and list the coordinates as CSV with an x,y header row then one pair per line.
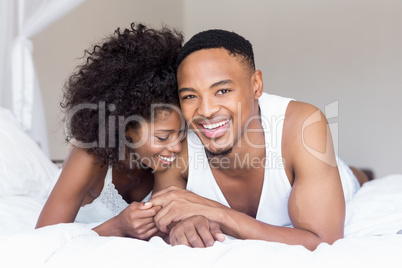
x,y
214,128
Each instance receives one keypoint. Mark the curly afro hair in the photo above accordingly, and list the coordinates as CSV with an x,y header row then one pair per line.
x,y
121,77
231,41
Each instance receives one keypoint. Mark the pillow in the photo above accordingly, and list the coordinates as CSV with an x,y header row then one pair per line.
x,y
24,168
19,213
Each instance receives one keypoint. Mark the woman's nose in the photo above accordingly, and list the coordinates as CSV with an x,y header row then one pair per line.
x,y
175,147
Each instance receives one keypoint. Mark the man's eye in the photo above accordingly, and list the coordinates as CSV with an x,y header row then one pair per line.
x,y
223,91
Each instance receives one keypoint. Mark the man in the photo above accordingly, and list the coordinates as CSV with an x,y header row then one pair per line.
x,y
261,166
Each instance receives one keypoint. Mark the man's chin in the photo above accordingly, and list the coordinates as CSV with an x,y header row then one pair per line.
x,y
218,152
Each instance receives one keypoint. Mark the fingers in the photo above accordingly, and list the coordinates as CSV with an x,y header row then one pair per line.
x,y
178,238
163,219
143,210
157,208
150,233
163,200
216,231
150,206
158,200
194,239
146,221
145,205
196,231
165,196
205,234
137,220
186,236
146,231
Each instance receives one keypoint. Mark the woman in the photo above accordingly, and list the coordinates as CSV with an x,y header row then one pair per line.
x,y
125,125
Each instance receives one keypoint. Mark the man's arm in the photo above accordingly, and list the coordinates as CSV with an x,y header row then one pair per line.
x,y
316,204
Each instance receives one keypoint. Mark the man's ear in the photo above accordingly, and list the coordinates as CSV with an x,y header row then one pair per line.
x,y
257,84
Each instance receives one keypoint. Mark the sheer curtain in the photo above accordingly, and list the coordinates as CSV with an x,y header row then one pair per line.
x,y
20,92
6,38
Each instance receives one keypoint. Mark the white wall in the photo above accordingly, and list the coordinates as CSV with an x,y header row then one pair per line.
x,y
313,50
324,51
58,48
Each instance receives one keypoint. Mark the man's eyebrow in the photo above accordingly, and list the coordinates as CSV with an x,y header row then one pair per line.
x,y
220,83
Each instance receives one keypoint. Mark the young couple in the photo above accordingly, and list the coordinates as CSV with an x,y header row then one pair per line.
x,y
251,165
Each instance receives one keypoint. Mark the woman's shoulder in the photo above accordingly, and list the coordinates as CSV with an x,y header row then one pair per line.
x,y
80,163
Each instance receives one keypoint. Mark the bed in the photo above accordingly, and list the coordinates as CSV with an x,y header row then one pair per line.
x,y
373,227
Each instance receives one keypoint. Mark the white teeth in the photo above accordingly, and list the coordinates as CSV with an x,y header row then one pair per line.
x,y
212,126
169,159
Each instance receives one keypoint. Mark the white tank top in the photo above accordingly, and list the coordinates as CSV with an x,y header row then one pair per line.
x,y
273,205
106,206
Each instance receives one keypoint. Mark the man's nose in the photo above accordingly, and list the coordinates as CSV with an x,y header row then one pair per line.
x,y
207,108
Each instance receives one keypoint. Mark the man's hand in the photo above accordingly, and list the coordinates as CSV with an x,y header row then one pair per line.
x,y
197,232
178,204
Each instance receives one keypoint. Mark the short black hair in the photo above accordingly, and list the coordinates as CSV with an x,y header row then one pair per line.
x,y
216,38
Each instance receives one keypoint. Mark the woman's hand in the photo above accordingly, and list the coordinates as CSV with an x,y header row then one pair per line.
x,y
136,221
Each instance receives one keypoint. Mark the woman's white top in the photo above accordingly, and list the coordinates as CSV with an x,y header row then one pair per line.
x,y
106,206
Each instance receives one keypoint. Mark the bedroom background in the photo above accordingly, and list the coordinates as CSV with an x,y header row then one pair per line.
x,y
343,55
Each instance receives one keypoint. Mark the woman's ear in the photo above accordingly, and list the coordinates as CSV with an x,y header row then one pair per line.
x,y
257,84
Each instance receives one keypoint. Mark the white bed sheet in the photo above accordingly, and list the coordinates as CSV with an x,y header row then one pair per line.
x,y
373,219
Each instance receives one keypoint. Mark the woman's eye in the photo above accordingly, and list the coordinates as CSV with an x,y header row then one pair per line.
x,y
189,97
162,138
223,91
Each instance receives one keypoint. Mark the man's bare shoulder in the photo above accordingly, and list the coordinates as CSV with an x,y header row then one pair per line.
x,y
300,116
305,128
297,112
306,134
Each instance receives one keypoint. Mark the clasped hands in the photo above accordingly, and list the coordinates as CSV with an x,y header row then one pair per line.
x,y
177,213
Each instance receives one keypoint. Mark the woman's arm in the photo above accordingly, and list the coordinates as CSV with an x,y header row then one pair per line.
x,y
78,176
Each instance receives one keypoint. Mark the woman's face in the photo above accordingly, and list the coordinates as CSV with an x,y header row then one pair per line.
x,y
157,143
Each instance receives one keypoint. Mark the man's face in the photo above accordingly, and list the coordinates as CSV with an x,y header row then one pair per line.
x,y
218,97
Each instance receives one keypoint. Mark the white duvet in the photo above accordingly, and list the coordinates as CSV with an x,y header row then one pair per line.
x,y
374,217
373,220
